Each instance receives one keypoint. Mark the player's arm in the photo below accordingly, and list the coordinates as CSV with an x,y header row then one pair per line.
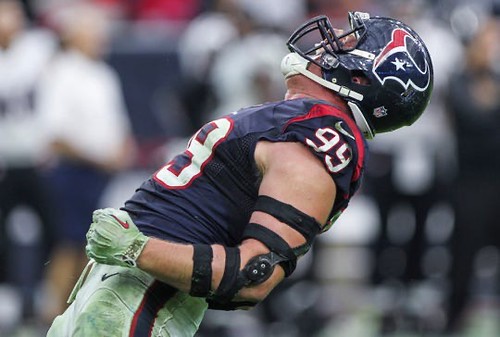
x,y
293,181
292,178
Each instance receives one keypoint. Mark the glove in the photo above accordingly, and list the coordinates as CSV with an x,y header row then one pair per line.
x,y
114,239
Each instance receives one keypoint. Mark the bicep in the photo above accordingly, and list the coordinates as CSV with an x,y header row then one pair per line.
x,y
291,175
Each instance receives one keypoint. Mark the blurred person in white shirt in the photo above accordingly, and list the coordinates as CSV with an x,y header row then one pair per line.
x,y
24,211
82,104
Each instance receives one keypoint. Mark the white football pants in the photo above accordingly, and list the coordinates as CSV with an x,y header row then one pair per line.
x,y
127,302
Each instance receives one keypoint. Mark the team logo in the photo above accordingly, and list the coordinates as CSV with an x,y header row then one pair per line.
x,y
402,60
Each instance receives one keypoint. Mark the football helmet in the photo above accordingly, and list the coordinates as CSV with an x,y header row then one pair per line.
x,y
389,55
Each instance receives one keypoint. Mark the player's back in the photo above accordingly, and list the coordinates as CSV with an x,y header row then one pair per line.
x,y
207,193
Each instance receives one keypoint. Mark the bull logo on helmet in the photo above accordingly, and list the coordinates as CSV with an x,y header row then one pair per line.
x,y
403,61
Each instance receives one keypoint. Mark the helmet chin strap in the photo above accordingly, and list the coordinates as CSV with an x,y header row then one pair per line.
x,y
361,121
294,64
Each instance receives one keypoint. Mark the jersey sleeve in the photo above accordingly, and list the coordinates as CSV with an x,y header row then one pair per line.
x,y
336,142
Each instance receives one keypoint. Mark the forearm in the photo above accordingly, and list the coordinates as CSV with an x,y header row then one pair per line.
x,y
172,263
169,262
201,270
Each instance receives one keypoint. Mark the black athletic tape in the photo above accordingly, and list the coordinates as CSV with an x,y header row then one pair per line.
x,y
298,220
229,284
269,238
275,243
228,306
201,280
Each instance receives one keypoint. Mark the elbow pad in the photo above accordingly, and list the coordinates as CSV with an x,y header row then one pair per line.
x,y
261,267
256,271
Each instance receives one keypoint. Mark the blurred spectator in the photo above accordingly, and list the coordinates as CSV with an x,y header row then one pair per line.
x,y
24,210
336,9
258,80
198,47
247,69
410,179
474,101
280,15
83,109
234,31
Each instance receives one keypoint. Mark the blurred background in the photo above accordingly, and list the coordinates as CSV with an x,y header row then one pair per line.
x,y
96,95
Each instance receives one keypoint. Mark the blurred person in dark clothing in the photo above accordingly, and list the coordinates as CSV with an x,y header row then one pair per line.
x,y
24,52
474,101
410,178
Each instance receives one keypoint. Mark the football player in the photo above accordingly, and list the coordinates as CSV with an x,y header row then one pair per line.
x,y
225,221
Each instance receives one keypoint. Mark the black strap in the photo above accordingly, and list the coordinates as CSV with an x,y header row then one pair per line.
x,y
230,305
269,238
201,280
298,220
229,284
275,243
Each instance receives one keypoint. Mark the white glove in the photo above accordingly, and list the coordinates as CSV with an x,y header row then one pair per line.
x,y
114,239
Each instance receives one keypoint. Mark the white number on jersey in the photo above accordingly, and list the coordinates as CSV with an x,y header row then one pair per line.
x,y
200,150
326,140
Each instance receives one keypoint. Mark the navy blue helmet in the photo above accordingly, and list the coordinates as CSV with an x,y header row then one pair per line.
x,y
390,57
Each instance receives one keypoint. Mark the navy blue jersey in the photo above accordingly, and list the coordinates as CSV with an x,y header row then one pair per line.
x,y
207,193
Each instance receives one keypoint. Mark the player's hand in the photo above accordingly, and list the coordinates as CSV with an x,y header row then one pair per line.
x,y
114,239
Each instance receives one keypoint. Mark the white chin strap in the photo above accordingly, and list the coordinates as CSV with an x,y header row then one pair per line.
x,y
293,64
361,121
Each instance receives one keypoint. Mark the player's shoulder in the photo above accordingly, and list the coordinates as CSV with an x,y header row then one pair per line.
x,y
318,113
308,108
296,117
